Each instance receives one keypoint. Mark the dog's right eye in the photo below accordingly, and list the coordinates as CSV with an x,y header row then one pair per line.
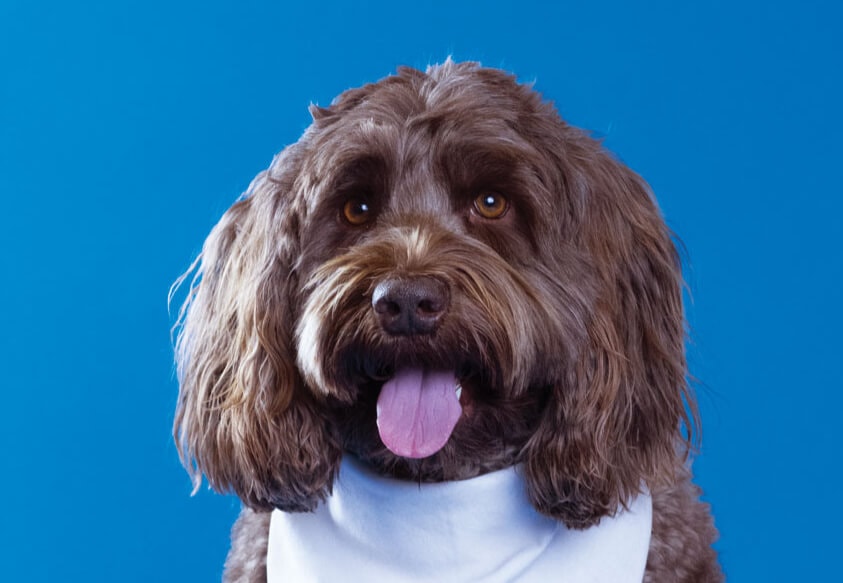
x,y
357,212
491,205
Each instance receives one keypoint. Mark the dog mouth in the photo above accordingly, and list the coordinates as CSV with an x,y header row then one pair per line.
x,y
416,396
418,409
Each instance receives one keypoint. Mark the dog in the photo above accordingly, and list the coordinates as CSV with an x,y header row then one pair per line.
x,y
443,286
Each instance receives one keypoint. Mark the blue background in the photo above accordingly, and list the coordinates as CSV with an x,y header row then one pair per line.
x,y
126,129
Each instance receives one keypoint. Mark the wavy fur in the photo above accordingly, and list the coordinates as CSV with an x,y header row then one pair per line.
x,y
565,322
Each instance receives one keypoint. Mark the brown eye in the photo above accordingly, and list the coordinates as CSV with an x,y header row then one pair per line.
x,y
357,212
491,205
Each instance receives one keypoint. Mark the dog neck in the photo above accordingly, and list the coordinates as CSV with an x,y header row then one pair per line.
x,y
483,529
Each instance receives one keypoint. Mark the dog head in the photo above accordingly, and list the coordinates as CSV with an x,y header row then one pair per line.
x,y
443,278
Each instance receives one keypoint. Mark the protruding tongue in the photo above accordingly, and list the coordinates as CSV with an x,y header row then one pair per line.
x,y
417,411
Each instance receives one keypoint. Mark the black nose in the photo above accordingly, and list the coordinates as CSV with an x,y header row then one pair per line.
x,y
406,307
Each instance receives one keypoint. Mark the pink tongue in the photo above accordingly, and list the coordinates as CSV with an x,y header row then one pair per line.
x,y
417,411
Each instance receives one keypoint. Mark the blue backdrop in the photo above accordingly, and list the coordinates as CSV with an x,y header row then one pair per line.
x,y
126,128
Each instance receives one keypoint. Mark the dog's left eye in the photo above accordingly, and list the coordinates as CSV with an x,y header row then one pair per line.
x,y
357,212
491,205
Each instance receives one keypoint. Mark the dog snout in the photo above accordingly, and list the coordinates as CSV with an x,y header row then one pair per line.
x,y
407,307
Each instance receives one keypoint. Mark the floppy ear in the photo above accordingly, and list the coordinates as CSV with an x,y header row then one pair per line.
x,y
244,417
616,423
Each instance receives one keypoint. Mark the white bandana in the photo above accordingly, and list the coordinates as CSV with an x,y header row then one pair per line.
x,y
376,529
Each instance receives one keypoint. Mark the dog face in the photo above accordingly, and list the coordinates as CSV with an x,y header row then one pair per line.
x,y
443,278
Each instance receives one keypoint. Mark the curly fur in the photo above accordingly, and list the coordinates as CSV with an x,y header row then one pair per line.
x,y
565,322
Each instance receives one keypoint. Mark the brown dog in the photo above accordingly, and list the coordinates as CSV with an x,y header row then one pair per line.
x,y
442,279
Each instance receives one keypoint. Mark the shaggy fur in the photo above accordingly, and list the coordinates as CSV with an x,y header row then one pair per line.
x,y
562,315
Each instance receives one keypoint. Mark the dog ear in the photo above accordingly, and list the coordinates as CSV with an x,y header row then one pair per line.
x,y
616,423
244,417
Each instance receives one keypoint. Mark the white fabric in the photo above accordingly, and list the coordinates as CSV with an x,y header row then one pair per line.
x,y
484,529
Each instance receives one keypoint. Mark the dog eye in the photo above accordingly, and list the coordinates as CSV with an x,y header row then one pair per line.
x,y
491,205
357,212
